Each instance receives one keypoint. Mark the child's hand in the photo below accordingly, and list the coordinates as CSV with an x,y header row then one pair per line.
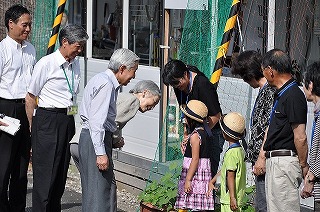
x,y
211,187
233,204
187,186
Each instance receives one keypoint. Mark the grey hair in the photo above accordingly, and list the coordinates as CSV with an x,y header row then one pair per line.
x,y
146,85
122,57
73,33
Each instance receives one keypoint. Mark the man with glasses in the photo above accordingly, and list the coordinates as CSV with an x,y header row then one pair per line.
x,y
285,148
17,58
55,82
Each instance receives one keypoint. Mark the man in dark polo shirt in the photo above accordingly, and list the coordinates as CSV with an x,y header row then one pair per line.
x,y
286,142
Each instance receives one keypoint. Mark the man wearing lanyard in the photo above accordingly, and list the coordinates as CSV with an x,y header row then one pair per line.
x,y
285,148
55,82
98,113
17,58
248,66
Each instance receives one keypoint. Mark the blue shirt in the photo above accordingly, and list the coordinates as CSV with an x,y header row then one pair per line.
x,y
98,108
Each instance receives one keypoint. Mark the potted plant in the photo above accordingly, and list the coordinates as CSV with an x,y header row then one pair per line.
x,y
160,195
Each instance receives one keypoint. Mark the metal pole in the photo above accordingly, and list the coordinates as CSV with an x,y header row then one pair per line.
x,y
271,24
84,25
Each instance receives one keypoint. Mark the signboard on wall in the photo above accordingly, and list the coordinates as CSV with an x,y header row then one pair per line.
x,y
183,4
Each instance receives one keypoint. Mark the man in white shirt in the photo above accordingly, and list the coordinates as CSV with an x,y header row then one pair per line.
x,y
98,113
55,81
17,58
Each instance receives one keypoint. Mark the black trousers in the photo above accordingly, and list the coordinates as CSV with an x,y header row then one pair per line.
x,y
14,159
216,147
50,135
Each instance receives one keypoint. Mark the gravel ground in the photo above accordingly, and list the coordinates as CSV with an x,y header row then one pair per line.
x,y
126,200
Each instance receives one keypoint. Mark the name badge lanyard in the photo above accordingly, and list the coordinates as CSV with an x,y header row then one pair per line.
x,y
255,103
316,116
189,88
277,99
70,87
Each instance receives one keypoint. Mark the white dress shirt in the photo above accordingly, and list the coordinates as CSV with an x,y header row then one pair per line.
x,y
49,82
16,65
98,108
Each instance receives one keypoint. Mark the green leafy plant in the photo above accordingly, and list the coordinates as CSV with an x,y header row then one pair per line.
x,y
247,207
162,193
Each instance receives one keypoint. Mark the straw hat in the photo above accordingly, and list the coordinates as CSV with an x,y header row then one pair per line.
x,y
233,124
195,110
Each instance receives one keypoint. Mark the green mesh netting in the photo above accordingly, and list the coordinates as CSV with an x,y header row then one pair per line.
x,y
45,11
202,33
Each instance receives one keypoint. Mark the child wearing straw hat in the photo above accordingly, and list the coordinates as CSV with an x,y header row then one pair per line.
x,y
233,170
196,170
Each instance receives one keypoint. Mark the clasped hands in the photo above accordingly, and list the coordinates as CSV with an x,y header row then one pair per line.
x,y
307,190
102,162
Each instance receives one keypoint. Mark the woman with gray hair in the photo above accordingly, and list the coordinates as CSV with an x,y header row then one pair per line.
x,y
144,96
55,82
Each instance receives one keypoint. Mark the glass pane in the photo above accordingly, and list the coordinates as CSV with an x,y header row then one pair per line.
x,y
144,34
73,14
106,28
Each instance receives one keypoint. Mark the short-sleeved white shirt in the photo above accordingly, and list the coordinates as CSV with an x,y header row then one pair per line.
x,y
16,66
49,82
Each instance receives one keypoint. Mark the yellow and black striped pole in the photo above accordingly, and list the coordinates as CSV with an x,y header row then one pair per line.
x,y
223,48
56,26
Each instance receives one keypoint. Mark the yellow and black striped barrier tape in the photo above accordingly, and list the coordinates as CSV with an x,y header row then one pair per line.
x,y
223,48
56,26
